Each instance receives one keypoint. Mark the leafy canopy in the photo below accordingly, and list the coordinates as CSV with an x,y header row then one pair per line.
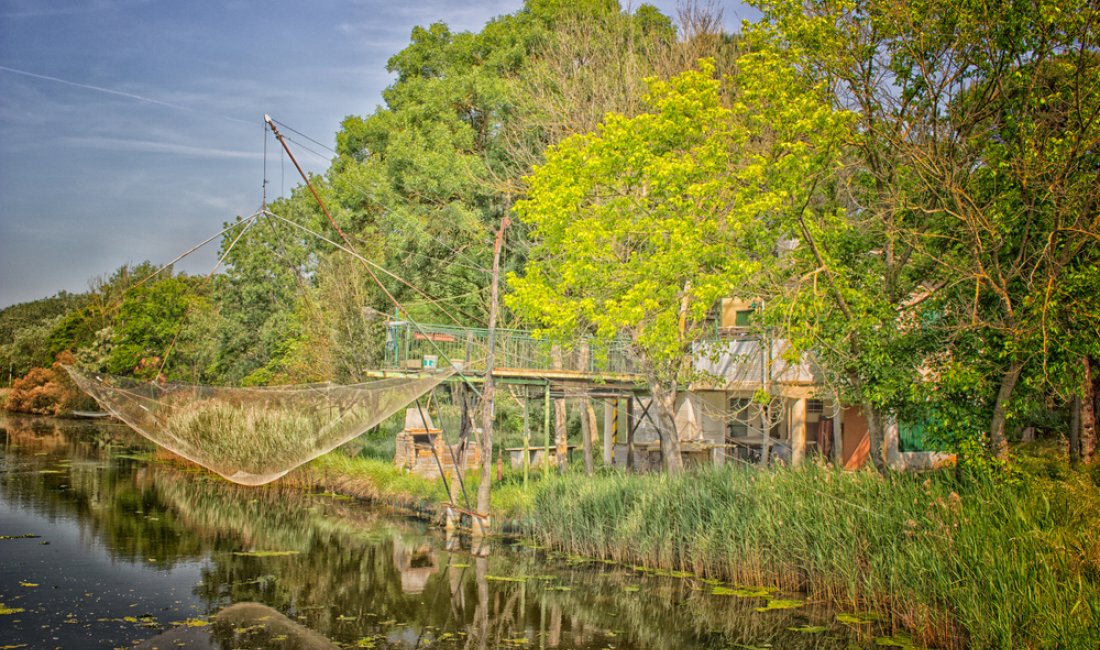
x,y
643,225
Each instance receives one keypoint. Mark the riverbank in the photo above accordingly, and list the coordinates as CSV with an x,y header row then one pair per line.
x,y
986,564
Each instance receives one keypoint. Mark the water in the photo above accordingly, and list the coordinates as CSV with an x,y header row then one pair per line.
x,y
102,546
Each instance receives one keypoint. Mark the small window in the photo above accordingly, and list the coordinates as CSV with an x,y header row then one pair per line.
x,y
742,318
739,417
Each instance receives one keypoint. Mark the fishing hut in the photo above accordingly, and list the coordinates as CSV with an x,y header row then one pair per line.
x,y
421,448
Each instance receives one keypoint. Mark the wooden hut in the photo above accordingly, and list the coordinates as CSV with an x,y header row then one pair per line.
x,y
422,450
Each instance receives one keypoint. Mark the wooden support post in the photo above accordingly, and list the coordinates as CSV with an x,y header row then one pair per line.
x,y
630,432
546,431
609,409
798,431
561,434
526,435
838,433
587,416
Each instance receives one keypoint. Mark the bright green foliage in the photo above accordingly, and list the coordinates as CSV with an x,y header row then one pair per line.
x,y
962,208
266,269
418,174
148,322
643,225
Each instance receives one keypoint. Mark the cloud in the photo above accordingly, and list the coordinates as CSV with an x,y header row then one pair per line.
x,y
38,9
152,146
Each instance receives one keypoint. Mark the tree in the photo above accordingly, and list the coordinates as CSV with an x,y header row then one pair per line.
x,y
966,191
643,225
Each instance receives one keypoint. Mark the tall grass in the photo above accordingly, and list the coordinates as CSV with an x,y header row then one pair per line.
x,y
257,439
993,565
1012,562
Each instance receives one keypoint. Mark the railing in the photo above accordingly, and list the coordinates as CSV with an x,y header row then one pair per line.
x,y
735,355
411,346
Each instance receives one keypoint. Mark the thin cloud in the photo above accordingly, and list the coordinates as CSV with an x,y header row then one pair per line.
x,y
152,146
117,93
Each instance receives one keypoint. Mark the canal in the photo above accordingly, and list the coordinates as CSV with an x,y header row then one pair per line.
x,y
102,545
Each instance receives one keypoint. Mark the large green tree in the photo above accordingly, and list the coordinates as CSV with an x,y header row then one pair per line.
x,y
643,225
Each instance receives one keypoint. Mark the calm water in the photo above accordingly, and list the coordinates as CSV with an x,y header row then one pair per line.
x,y
101,547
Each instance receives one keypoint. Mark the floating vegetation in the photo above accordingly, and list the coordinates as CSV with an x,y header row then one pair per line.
x,y
858,618
896,641
27,584
743,592
781,603
631,589
24,536
506,578
7,611
808,629
191,622
264,553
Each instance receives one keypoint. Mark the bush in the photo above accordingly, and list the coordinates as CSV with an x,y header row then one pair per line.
x,y
48,391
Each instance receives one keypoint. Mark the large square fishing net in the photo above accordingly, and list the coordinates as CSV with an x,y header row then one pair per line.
x,y
252,436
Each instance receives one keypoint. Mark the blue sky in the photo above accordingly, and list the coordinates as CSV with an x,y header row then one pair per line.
x,y
131,129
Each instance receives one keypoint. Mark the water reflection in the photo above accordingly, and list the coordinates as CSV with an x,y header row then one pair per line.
x,y
272,567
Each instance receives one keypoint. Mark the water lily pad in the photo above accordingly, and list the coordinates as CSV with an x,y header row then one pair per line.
x,y
191,622
858,618
28,584
630,589
5,610
506,578
896,641
264,553
743,592
24,536
781,603
808,629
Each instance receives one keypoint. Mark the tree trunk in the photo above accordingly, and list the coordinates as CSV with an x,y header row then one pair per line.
x,y
1075,429
1088,415
561,433
765,434
482,524
875,425
664,401
998,442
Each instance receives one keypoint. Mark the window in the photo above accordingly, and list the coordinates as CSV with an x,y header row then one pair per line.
x,y
739,417
742,318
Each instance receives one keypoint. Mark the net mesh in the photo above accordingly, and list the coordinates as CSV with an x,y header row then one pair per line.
x,y
252,436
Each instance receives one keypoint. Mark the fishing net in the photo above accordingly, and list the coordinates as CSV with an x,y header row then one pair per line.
x,y
252,436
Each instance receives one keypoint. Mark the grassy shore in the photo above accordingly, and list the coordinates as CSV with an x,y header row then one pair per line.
x,y
989,564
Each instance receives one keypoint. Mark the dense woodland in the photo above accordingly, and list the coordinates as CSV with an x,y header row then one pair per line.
x,y
909,190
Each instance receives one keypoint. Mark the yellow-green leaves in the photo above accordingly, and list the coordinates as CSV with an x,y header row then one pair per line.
x,y
641,226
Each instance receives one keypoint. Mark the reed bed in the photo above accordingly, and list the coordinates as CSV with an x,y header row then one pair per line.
x,y
258,439
988,565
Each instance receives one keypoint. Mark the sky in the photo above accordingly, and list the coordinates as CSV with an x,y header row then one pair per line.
x,y
131,130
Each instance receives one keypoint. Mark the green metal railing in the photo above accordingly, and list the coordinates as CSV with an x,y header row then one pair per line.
x,y
411,346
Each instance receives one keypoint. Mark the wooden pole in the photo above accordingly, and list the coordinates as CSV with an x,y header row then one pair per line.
x,y
526,434
482,524
546,431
